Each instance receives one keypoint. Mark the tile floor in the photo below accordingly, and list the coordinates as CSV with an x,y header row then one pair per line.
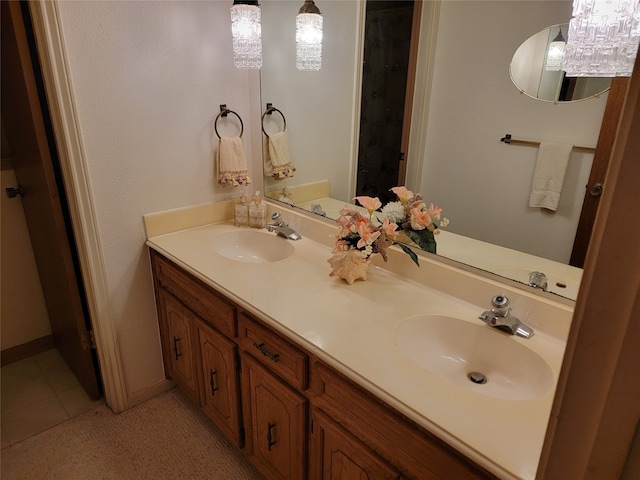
x,y
38,393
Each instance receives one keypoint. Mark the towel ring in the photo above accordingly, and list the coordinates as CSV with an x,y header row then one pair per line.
x,y
270,109
224,111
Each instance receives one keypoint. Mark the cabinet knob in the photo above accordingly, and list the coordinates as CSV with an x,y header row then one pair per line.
x,y
270,441
176,351
212,383
272,356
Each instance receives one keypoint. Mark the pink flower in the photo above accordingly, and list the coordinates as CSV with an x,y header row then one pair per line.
x,y
420,219
403,194
434,212
367,234
390,229
370,204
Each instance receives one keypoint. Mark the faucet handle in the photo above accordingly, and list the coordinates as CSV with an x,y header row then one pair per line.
x,y
500,304
538,280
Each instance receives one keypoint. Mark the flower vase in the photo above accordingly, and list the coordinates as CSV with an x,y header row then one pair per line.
x,y
349,265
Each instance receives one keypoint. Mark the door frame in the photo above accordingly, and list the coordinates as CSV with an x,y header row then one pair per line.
x,y
46,25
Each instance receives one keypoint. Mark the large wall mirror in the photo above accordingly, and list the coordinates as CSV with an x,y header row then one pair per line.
x,y
464,103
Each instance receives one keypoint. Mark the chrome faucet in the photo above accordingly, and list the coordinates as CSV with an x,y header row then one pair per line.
x,y
500,317
281,228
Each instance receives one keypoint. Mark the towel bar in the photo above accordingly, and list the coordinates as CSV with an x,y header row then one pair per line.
x,y
270,109
224,111
508,140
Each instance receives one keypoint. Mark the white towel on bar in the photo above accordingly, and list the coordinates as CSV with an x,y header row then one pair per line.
x,y
231,164
277,158
548,175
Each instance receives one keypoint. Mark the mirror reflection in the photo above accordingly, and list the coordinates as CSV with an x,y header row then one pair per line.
x,y
463,104
536,69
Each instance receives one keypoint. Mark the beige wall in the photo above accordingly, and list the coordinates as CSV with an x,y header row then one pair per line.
x,y
147,80
23,314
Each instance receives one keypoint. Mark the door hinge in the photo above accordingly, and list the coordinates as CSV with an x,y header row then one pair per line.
x,y
88,340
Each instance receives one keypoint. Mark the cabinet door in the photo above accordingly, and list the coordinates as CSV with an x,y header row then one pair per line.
x,y
219,385
178,320
275,421
338,455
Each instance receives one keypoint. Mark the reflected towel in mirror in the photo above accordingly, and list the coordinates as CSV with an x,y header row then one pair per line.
x,y
231,164
548,175
277,159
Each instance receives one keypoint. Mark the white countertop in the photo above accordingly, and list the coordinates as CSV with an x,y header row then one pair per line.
x,y
351,327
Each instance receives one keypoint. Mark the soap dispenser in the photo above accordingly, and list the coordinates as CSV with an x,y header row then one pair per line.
x,y
241,214
257,212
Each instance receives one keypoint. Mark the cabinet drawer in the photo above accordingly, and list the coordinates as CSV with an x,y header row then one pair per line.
x,y
417,453
199,297
272,350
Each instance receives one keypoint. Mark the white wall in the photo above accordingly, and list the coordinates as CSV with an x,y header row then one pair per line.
x,y
148,79
318,105
24,315
482,184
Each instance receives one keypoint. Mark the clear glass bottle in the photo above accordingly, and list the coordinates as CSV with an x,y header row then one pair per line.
x,y
241,214
257,212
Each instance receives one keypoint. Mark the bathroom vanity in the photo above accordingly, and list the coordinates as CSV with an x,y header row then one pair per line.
x,y
309,378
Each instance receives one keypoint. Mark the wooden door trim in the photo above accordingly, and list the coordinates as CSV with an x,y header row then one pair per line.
x,y
597,404
46,25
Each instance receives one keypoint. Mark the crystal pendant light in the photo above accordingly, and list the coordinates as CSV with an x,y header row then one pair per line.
x,y
246,31
555,53
603,38
309,37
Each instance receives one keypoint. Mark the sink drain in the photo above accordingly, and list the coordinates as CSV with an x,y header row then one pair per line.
x,y
477,377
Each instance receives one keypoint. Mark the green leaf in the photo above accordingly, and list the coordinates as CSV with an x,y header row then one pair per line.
x,y
423,238
409,252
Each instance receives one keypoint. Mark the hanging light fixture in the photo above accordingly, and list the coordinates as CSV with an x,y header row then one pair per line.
x,y
603,38
309,37
555,53
247,34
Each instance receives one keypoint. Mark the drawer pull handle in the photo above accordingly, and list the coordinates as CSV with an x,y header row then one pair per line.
x,y
176,352
270,441
212,382
272,356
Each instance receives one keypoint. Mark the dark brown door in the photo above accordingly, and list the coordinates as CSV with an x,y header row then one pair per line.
x,y
25,120
392,30
599,167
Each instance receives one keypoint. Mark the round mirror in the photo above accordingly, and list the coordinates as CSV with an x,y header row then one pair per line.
x,y
536,69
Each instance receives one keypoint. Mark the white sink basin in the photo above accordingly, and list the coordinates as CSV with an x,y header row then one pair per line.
x,y
464,353
252,246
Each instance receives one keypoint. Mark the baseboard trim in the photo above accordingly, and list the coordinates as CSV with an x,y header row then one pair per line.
x,y
148,393
19,352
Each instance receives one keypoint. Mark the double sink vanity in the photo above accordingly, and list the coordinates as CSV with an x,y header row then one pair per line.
x,y
392,377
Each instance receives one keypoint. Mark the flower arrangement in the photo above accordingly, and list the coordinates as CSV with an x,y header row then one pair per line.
x,y
360,237
365,235
415,219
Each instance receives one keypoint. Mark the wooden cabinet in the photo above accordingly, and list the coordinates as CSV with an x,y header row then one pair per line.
x,y
293,416
178,326
276,423
335,454
219,383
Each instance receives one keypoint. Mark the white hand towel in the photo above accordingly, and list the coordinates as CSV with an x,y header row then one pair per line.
x,y
277,157
231,164
548,175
